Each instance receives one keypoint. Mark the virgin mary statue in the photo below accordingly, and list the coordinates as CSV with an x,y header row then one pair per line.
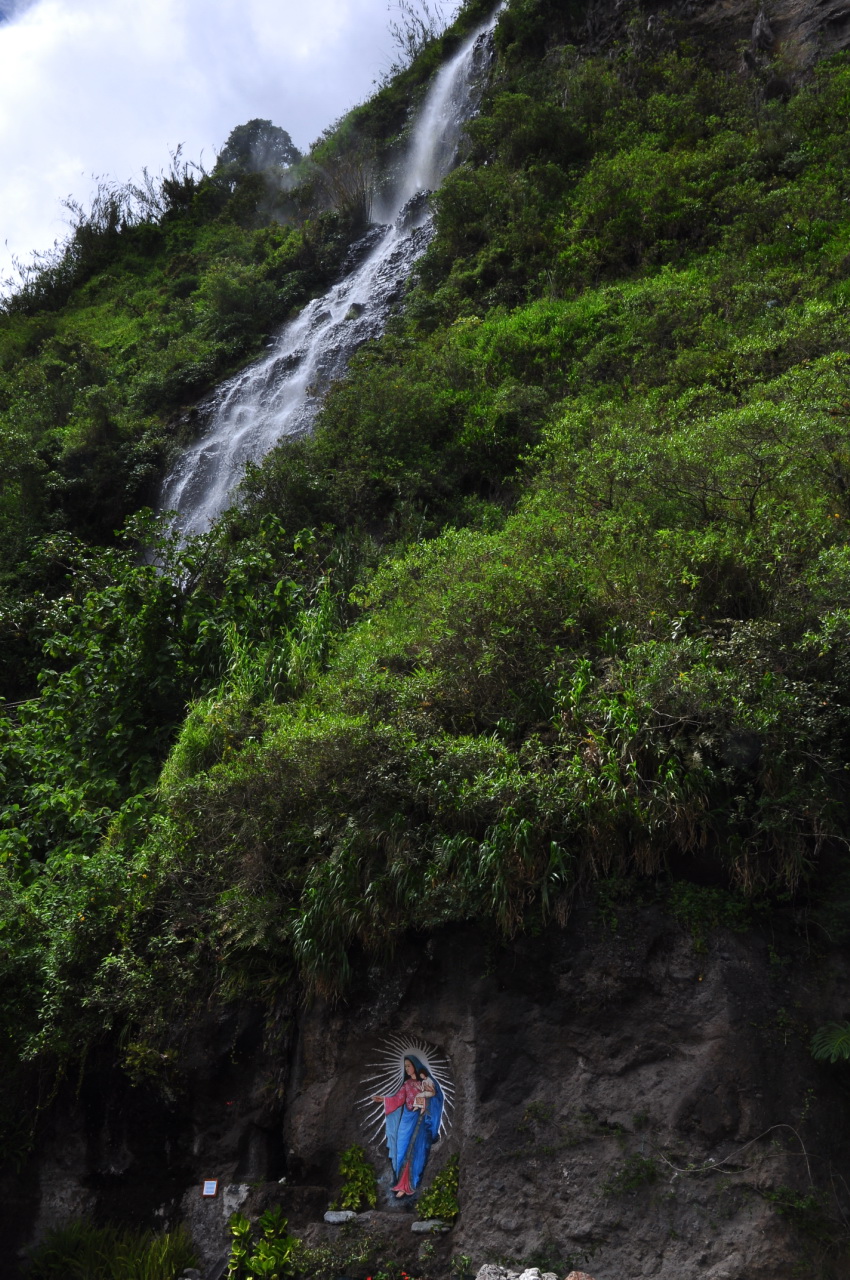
x,y
413,1115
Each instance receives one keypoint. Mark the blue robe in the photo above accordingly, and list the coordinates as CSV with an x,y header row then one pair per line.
x,y
410,1133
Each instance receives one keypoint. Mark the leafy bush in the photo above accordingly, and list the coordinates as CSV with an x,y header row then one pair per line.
x,y
235,298
270,1256
360,1183
441,1198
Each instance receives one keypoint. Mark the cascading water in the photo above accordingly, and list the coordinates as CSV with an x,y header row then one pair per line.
x,y
280,394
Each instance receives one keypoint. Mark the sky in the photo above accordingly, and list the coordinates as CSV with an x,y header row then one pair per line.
x,y
103,88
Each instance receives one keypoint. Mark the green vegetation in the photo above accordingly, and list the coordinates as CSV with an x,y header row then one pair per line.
x,y
441,1198
268,1252
556,593
831,1043
705,908
268,1256
82,1251
102,350
808,1214
360,1183
634,1173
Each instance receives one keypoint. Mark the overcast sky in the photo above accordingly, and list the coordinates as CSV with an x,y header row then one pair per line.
x,y
106,87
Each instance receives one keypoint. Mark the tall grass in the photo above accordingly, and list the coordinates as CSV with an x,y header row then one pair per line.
x,y
82,1251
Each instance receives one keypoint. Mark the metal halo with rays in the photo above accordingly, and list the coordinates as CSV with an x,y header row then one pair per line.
x,y
389,1070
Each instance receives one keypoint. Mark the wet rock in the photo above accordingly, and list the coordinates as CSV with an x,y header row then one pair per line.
x,y
762,36
362,248
414,213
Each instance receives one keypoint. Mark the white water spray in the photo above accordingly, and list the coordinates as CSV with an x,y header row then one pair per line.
x,y
280,395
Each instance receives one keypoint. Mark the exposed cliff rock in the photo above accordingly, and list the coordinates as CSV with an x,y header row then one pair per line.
x,y
624,1100
794,32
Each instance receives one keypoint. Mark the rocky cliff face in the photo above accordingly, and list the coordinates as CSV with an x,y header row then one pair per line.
x,y
739,33
628,1100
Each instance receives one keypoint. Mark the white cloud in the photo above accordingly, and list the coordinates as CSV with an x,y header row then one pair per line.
x,y
106,87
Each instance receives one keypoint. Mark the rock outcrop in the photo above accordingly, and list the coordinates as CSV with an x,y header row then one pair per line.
x,y
623,1099
796,33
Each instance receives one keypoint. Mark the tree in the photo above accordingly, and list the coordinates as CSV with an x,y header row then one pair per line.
x,y
257,146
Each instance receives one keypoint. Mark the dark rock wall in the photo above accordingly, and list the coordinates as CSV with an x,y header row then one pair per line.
x,y
739,34
626,1100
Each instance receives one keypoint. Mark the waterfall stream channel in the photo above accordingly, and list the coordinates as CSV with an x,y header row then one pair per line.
x,y
280,394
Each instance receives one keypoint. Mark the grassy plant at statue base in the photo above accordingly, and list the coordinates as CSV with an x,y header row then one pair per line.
x,y
360,1182
440,1200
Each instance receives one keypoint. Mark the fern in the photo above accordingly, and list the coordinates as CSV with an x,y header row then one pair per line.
x,y
832,1042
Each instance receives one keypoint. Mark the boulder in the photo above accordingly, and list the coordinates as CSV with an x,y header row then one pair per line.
x,y
490,1271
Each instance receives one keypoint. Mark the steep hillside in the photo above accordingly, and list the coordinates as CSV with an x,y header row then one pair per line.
x,y
535,647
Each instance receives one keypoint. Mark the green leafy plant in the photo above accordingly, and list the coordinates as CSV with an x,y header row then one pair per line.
x,y
441,1198
356,1253
807,1211
537,1113
703,908
635,1172
360,1183
271,1255
146,1065
831,1043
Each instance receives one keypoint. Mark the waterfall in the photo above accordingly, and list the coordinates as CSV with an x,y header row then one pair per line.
x,y
280,394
